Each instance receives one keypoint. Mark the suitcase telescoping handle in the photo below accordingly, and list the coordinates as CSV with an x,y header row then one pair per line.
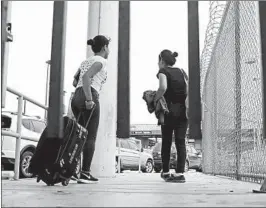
x,y
87,123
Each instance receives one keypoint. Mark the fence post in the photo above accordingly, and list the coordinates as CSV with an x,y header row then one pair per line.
x,y
215,139
238,124
18,139
262,17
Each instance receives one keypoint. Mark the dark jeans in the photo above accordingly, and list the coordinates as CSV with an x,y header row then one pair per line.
x,y
178,125
78,106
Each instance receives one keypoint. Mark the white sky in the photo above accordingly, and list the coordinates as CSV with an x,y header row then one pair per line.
x,y
154,26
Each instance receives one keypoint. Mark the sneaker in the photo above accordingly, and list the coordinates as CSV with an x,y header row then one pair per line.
x,y
75,177
166,176
86,177
178,178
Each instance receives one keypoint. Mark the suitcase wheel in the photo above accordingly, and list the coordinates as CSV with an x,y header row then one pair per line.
x,y
65,183
38,179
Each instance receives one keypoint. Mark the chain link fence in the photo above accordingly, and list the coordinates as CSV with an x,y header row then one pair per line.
x,y
233,143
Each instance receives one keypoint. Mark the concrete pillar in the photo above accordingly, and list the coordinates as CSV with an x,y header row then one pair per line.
x,y
93,22
6,38
103,19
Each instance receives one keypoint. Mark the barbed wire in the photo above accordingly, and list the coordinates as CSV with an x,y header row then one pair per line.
x,y
216,10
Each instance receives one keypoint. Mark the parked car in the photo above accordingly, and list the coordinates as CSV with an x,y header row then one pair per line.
x,y
130,154
193,160
149,151
31,127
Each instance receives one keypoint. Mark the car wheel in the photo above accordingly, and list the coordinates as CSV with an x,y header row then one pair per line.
x,y
25,163
157,170
186,166
116,166
149,167
199,169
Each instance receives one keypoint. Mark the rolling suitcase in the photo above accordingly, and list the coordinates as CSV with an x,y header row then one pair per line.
x,y
55,160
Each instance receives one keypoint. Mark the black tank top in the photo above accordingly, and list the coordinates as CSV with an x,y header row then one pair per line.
x,y
176,85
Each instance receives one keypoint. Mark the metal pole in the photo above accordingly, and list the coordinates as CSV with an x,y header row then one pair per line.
x,y
194,71
123,88
47,87
119,156
140,147
55,111
214,123
18,139
64,103
25,102
6,37
238,124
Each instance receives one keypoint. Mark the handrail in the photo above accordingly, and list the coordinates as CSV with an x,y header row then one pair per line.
x,y
26,98
17,134
14,134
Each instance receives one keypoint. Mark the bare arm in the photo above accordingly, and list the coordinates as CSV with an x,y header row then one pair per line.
x,y
94,69
162,87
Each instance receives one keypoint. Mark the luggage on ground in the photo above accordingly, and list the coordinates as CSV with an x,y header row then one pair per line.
x,y
55,160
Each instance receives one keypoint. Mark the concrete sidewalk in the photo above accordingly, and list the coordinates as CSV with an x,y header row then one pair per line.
x,y
134,190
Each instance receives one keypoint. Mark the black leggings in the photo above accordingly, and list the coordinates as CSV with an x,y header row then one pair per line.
x,y
78,105
178,125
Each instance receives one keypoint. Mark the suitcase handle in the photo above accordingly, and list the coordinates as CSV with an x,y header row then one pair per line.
x,y
87,123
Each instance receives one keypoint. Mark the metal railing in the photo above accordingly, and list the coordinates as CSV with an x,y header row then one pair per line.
x,y
17,134
233,143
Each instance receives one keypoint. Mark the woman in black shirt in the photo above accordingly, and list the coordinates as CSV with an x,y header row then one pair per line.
x,y
172,85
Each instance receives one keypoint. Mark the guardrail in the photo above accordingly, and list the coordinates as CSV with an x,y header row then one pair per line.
x,y
21,98
14,134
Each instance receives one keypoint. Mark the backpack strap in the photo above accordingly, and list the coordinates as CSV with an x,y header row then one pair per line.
x,y
186,81
185,78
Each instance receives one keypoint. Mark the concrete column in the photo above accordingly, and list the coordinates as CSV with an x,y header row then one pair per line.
x,y
6,38
103,19
93,22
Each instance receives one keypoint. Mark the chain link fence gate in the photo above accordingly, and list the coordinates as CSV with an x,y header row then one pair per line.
x,y
233,143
